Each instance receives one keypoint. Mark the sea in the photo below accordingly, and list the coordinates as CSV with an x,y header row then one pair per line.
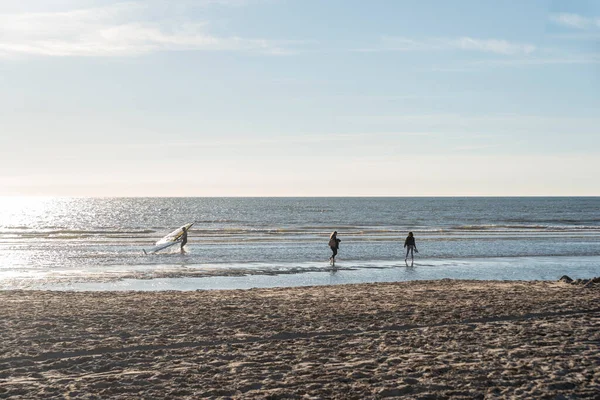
x,y
92,244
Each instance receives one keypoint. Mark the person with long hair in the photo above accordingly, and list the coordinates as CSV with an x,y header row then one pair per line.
x,y
410,246
334,244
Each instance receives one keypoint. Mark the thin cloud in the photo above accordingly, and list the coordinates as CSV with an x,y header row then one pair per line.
x,y
542,57
492,46
575,21
579,35
475,147
282,140
482,123
557,60
116,30
465,43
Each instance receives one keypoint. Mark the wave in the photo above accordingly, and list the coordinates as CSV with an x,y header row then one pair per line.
x,y
295,232
26,231
554,221
214,221
535,227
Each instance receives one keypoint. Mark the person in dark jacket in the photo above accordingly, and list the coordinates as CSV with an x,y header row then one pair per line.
x,y
183,239
334,244
410,246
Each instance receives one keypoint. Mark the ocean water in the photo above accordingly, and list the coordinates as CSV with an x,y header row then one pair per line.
x,y
96,243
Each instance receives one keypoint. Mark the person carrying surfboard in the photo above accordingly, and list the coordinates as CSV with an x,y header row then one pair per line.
x,y
334,244
183,238
410,246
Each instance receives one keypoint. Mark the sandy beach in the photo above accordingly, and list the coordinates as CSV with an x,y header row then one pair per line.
x,y
422,340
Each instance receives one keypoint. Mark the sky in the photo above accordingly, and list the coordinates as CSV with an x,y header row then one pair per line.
x,y
299,98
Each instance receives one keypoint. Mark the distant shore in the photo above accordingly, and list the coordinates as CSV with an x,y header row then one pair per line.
x,y
421,339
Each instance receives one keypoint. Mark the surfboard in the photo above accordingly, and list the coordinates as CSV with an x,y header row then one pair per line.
x,y
169,240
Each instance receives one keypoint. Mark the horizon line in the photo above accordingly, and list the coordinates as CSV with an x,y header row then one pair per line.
x,y
294,197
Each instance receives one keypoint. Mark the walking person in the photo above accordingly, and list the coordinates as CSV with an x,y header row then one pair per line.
x,y
410,246
334,244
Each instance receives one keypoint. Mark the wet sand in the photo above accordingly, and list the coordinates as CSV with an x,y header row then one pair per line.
x,y
422,340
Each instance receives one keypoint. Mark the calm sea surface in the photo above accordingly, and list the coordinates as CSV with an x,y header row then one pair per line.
x,y
96,243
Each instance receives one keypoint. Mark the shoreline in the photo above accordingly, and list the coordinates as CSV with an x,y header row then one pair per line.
x,y
422,339
191,277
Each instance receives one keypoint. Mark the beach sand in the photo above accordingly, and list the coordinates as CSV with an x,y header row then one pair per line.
x,y
422,340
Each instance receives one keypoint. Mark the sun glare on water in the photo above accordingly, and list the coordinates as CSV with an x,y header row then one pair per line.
x,y
23,212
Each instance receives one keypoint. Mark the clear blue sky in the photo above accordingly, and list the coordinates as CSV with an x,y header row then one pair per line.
x,y
304,98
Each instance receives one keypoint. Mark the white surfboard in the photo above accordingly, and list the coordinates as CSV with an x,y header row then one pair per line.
x,y
169,240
